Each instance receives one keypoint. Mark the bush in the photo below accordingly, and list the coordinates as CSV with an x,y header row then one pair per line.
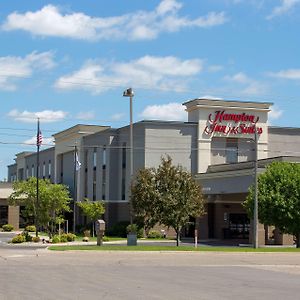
x,y
154,234
27,236
7,227
63,238
105,239
119,229
30,228
135,229
55,239
18,239
36,239
85,239
71,237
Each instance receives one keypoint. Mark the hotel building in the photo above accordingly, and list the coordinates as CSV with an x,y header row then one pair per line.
x,y
217,145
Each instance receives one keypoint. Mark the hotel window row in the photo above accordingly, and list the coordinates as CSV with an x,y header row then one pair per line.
x,y
94,174
42,170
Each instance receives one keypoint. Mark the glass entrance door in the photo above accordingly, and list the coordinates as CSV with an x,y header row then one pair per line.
x,y
239,225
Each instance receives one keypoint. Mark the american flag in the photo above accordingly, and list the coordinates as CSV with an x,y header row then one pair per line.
x,y
77,162
39,138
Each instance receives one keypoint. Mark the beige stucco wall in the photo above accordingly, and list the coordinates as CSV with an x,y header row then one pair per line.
x,y
199,111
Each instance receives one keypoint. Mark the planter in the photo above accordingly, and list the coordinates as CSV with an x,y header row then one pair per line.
x,y
131,239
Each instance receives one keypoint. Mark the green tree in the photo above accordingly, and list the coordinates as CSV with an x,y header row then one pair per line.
x,y
278,198
143,199
92,209
53,201
167,195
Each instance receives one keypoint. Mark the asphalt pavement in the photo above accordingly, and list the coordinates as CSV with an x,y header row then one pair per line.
x,y
30,273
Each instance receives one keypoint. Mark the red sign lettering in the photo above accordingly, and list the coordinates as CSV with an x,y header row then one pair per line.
x,y
243,123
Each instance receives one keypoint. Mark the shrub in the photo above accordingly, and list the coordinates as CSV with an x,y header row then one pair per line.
x,y
8,227
105,239
134,228
154,234
27,236
30,228
118,229
20,238
71,237
36,239
85,239
63,238
55,239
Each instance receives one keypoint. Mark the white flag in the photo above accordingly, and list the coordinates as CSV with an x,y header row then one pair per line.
x,y
77,162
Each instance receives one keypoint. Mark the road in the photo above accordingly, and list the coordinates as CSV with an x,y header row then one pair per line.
x,y
44,274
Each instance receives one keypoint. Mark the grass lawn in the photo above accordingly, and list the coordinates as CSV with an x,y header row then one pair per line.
x,y
94,239
171,248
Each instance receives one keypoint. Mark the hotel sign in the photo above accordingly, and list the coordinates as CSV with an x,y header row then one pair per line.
x,y
231,123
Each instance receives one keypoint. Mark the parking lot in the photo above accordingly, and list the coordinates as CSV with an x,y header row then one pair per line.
x,y
36,273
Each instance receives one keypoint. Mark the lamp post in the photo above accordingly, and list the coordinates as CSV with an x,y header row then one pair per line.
x,y
75,186
129,93
255,215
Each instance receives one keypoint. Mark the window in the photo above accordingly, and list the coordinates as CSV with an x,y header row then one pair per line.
x,y
44,170
123,183
123,179
103,184
231,150
86,173
27,172
104,157
61,168
94,173
49,169
104,173
95,158
124,156
3,214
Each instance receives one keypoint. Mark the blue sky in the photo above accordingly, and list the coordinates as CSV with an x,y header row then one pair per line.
x,y
68,62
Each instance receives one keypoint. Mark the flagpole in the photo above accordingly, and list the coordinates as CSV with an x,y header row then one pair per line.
x,y
75,189
38,143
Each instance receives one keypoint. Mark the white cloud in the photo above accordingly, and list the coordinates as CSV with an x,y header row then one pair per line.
x,y
171,111
249,86
293,74
86,115
117,117
46,141
284,7
214,68
46,116
168,73
16,67
168,6
239,78
139,25
275,113
210,97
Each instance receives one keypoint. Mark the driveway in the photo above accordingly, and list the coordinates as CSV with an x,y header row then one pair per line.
x,y
44,274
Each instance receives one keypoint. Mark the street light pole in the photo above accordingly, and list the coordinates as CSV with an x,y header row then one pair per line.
x,y
255,217
129,93
75,188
